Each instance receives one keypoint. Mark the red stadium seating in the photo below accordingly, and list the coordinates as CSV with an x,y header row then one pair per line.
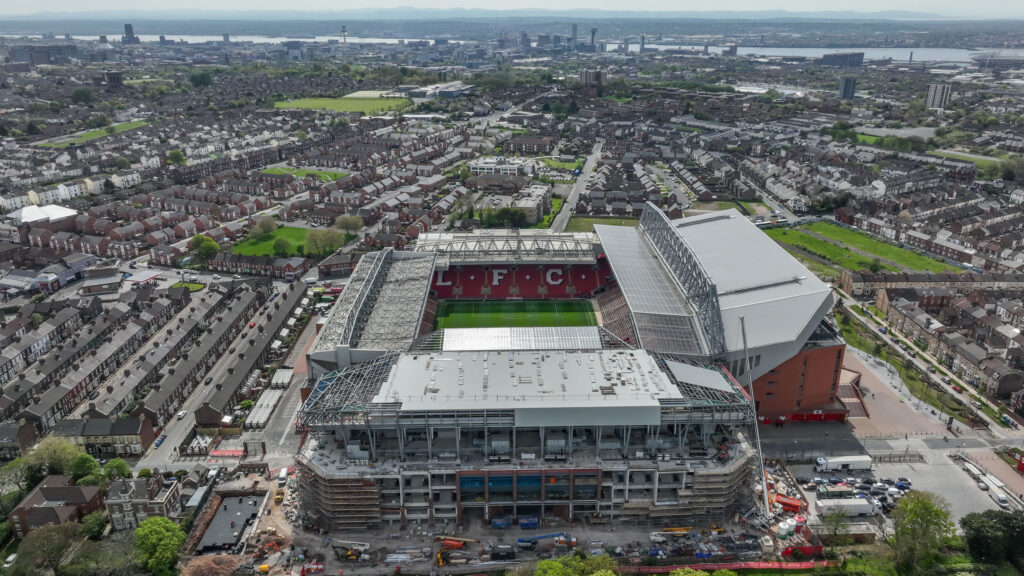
x,y
528,282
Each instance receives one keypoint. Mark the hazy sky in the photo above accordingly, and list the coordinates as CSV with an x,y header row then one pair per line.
x,y
956,8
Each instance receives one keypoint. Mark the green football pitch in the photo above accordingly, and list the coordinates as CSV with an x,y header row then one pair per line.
x,y
515,313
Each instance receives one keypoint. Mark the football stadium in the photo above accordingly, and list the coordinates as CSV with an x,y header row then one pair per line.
x,y
509,376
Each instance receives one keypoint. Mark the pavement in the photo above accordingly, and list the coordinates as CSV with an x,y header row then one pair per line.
x,y
922,360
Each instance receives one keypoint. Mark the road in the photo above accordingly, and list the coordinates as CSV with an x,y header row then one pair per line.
x,y
562,218
681,191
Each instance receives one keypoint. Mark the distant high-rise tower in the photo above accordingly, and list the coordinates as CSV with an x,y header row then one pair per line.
x,y
847,87
593,36
227,38
524,42
643,43
344,35
938,96
103,38
129,35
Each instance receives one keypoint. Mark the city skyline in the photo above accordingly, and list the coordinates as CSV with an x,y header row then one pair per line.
x,y
879,9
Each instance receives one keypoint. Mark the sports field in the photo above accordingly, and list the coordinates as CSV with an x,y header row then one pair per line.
x,y
515,314
364,105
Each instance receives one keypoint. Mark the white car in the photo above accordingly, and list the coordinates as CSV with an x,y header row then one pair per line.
x,y
10,561
216,276
182,414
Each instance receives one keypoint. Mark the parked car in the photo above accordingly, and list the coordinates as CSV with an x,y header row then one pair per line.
x,y
10,561
903,480
863,486
803,480
888,481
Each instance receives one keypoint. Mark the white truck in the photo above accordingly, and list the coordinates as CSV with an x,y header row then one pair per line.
x,y
848,506
842,463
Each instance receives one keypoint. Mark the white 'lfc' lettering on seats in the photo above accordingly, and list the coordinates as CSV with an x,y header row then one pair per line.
x,y
499,273
549,276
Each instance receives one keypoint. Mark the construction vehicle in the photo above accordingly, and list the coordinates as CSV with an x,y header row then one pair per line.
x,y
453,543
279,496
265,550
529,543
683,530
351,551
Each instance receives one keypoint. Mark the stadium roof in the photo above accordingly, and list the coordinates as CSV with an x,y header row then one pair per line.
x,y
382,304
536,387
596,387
755,278
508,247
710,270
662,316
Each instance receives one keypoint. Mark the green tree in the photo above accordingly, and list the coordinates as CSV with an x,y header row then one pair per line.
x,y
93,524
984,535
98,120
723,572
282,247
145,473
44,548
175,157
263,227
122,163
84,465
82,96
54,455
837,529
109,130
688,572
90,480
350,224
246,404
117,468
551,568
875,265
200,79
159,540
204,246
920,526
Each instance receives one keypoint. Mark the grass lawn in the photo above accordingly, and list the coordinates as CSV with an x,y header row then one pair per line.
x,y
95,134
524,313
835,254
364,105
582,224
820,270
192,286
866,139
861,241
556,206
265,246
979,162
712,205
570,166
323,175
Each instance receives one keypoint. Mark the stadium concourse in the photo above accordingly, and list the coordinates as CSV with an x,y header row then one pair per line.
x,y
630,407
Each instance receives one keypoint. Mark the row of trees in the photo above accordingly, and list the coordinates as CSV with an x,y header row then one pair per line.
x,y
72,549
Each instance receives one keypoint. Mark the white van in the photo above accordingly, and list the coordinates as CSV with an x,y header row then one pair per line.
x,y
182,414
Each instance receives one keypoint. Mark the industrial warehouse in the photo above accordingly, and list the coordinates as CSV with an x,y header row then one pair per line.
x,y
641,415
